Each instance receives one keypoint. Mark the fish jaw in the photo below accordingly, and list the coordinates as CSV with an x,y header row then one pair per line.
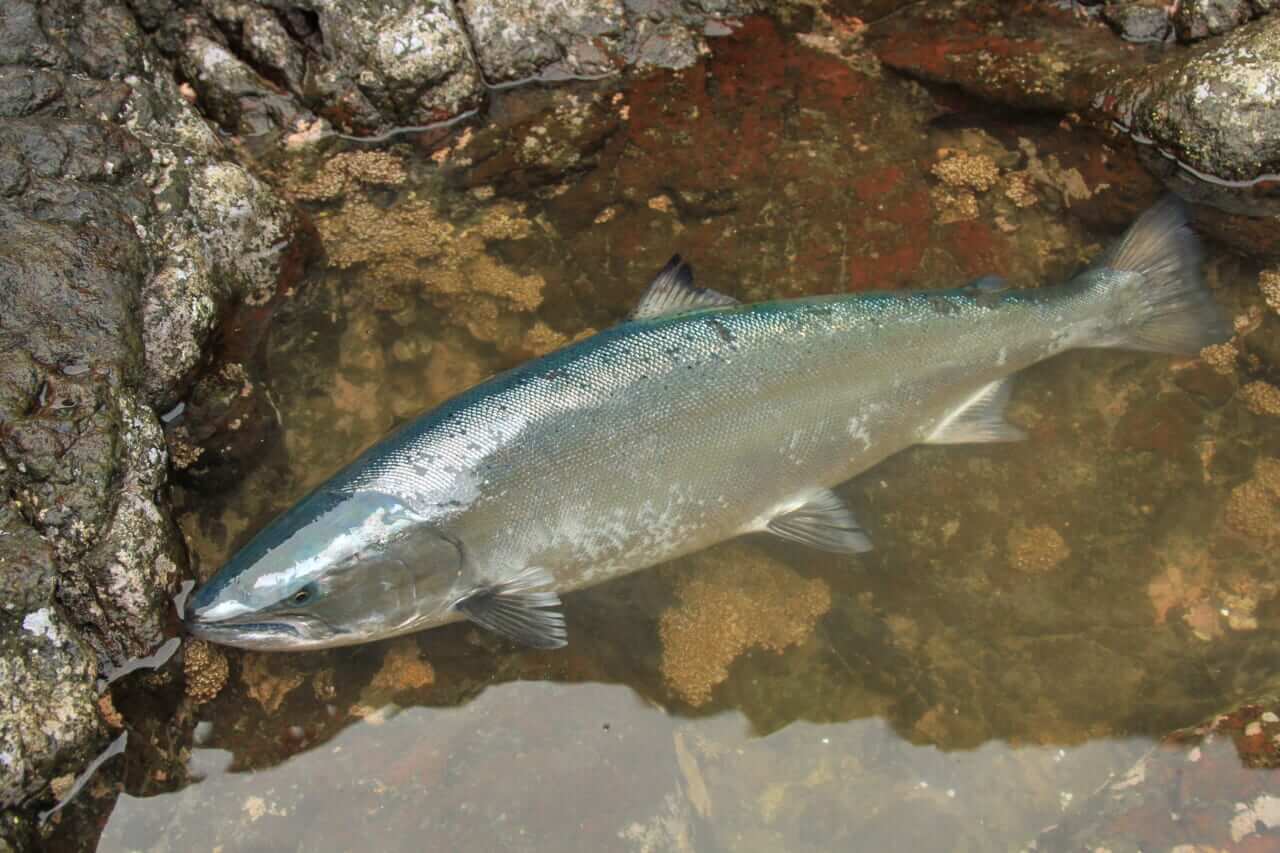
x,y
258,636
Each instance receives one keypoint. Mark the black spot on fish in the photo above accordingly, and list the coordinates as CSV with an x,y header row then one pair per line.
x,y
722,330
942,305
988,298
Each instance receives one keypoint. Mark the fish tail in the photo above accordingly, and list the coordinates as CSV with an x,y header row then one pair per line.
x,y
1155,297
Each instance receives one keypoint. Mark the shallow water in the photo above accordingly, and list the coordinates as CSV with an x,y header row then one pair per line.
x,y
1034,616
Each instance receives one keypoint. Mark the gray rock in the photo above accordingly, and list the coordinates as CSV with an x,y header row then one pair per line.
x,y
516,39
233,93
48,716
125,236
664,45
390,63
1213,109
365,66
1139,20
1197,19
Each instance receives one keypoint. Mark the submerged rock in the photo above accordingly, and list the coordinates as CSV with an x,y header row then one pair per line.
x,y
1037,59
1226,775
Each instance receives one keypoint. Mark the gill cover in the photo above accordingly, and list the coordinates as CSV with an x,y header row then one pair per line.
x,y
337,568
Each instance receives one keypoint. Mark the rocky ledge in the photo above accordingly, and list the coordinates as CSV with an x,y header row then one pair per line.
x,y
364,67
127,234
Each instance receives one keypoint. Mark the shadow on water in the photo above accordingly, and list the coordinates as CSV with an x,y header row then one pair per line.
x,y
1032,618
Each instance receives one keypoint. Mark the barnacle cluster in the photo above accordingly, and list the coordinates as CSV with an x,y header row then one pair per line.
x,y
737,600
1253,508
1262,398
205,669
1036,550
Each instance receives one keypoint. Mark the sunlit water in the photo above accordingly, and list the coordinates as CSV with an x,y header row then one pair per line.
x,y
1034,616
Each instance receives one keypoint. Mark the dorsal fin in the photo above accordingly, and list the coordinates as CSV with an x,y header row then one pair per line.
x,y
672,292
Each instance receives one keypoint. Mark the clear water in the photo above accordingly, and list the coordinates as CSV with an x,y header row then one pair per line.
x,y
1034,618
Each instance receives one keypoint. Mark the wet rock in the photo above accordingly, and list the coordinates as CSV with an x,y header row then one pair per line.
x,y
1207,130
514,39
1139,20
266,41
399,63
127,233
1039,58
1210,108
231,92
48,711
1197,19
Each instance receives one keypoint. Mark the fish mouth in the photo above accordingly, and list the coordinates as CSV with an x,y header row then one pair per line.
x,y
254,632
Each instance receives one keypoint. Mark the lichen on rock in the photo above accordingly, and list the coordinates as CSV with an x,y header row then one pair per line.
x,y
48,712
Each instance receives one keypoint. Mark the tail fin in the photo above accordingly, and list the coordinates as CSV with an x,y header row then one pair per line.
x,y
1165,307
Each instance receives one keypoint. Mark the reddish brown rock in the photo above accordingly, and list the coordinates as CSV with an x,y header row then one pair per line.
x,y
1023,55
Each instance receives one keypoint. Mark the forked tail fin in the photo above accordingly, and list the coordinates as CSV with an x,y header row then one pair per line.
x,y
1164,306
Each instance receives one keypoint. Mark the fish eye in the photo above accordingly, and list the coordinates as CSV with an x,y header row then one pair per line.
x,y
302,596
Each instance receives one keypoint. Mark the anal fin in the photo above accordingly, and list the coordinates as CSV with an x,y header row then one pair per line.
x,y
522,609
823,521
980,418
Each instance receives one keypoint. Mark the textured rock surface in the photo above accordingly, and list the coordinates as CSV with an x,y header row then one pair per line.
x,y
1212,108
368,66
1039,58
127,233
48,719
519,38
1139,20
1197,19
1208,128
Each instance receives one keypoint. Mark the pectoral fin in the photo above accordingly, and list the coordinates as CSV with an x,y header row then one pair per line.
x,y
979,418
822,521
522,609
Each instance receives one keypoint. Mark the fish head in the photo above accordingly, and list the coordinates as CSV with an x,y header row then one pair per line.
x,y
337,569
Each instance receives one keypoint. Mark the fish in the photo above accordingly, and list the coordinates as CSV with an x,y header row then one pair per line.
x,y
696,420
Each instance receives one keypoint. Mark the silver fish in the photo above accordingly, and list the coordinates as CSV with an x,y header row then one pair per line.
x,y
697,420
